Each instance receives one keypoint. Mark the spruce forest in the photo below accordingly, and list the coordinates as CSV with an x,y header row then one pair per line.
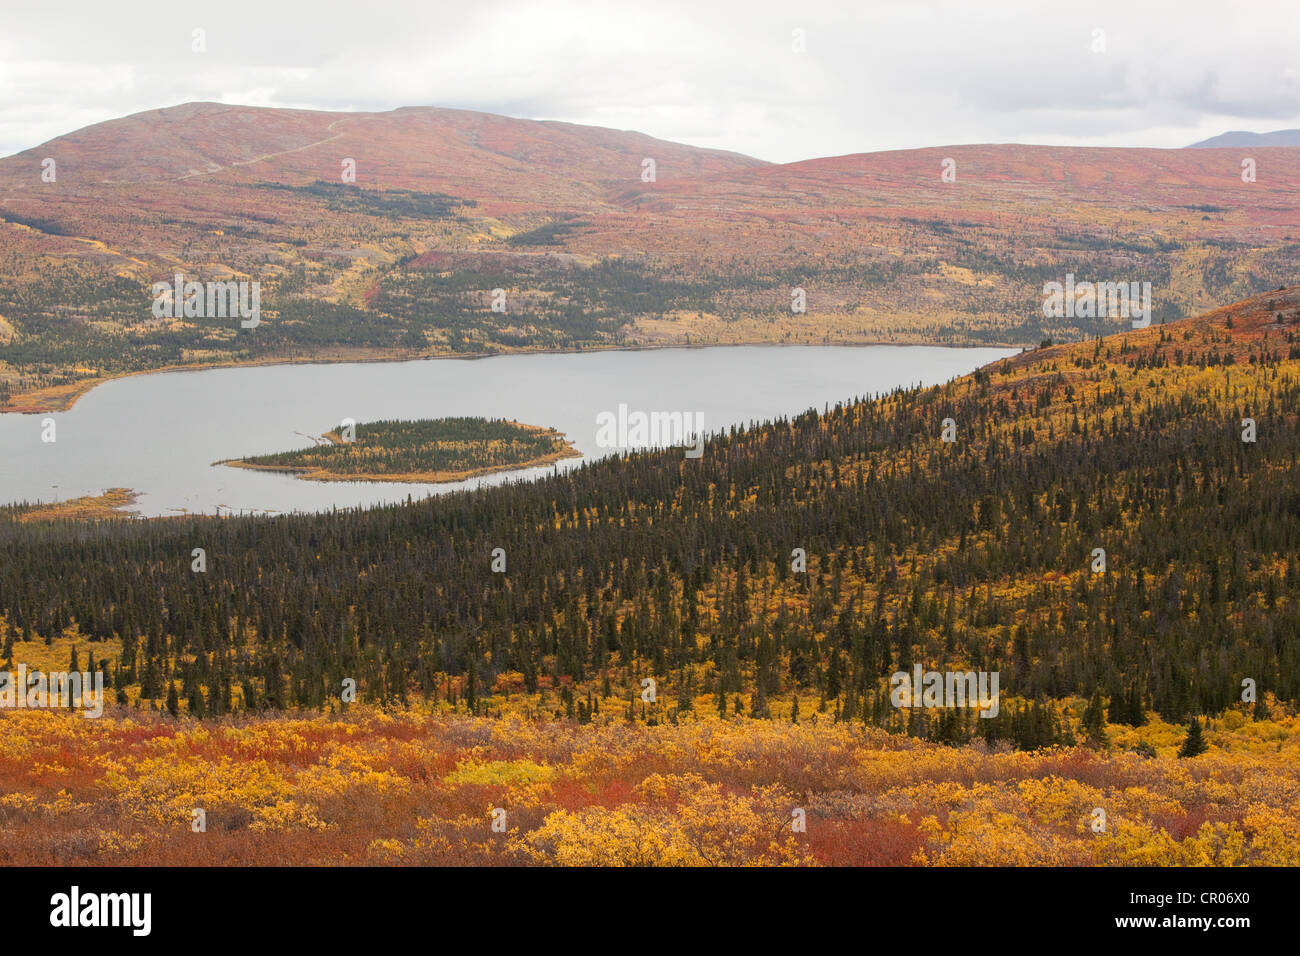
x,y
976,553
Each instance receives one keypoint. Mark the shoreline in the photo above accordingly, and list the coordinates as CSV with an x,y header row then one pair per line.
x,y
61,398
111,504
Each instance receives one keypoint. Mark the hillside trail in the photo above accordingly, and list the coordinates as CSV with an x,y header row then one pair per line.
x,y
258,159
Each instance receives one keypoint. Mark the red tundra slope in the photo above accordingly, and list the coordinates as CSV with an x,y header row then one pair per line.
x,y
448,204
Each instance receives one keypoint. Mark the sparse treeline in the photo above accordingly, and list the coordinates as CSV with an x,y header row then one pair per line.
x,y
977,554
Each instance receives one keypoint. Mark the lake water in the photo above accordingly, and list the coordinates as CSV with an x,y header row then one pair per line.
x,y
159,434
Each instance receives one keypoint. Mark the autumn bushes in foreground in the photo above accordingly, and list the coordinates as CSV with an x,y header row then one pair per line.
x,y
419,788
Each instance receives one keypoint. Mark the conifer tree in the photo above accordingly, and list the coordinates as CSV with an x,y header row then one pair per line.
x,y
1261,709
1094,720
1195,744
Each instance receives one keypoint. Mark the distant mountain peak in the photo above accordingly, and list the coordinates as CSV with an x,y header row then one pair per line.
x,y
1237,137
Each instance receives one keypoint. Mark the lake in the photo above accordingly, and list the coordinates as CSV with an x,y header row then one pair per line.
x,y
159,434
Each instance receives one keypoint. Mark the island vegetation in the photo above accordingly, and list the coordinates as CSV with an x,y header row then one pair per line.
x,y
427,450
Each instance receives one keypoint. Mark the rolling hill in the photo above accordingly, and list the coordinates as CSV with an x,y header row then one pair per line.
x,y
588,249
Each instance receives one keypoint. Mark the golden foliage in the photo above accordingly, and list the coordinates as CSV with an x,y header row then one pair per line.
x,y
416,787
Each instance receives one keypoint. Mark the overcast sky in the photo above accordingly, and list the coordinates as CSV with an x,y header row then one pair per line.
x,y
874,74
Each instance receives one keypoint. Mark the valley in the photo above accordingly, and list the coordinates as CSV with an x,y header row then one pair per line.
x,y
426,232
967,568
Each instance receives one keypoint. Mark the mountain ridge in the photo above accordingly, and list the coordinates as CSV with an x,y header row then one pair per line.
x,y
1238,138
598,238
119,143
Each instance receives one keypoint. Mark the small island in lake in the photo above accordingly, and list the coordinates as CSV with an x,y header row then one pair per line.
x,y
427,450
